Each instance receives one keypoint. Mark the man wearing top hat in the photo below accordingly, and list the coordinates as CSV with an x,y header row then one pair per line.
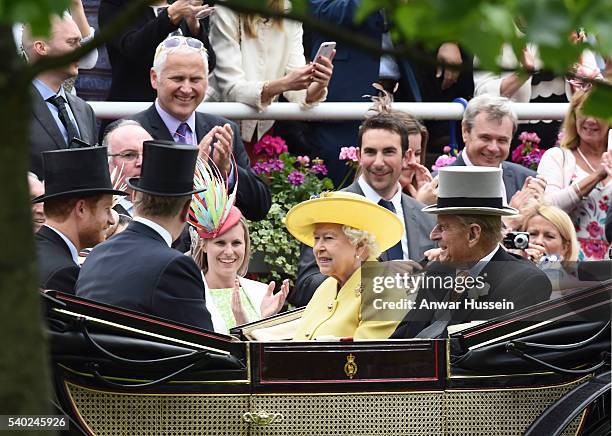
x,y
468,232
77,205
137,269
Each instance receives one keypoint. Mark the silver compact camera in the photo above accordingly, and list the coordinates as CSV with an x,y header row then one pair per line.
x,y
516,240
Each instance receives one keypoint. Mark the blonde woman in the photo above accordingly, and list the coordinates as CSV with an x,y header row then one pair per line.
x,y
578,176
258,59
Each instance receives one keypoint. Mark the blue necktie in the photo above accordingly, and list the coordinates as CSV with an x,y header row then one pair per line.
x,y
395,252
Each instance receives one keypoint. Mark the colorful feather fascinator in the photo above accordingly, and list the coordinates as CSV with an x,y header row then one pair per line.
x,y
212,211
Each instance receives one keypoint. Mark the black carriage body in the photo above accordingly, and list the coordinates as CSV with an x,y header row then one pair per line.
x,y
120,372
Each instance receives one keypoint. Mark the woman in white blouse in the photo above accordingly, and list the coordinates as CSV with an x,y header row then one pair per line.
x,y
259,59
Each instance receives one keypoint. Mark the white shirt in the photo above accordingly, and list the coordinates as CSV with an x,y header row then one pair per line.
x,y
126,204
73,250
468,163
372,195
159,229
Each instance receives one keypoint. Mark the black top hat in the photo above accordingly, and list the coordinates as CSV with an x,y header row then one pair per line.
x,y
167,169
76,171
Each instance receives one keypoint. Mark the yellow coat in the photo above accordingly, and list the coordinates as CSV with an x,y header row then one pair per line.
x,y
331,313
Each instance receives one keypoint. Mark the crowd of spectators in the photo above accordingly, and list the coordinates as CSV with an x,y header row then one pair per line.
x,y
135,189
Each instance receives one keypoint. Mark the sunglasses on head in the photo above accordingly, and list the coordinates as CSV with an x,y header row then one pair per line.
x,y
177,41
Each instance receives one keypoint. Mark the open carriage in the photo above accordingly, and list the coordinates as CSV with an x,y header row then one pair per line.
x,y
541,370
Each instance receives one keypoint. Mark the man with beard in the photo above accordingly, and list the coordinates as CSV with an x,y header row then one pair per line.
x,y
77,205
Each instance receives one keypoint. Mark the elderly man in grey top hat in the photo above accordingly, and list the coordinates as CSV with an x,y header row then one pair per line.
x,y
486,281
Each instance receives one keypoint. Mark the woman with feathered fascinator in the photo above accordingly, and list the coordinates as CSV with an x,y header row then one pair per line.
x,y
221,248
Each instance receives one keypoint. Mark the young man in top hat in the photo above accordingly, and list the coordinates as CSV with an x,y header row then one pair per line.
x,y
383,142
468,232
179,75
77,203
137,269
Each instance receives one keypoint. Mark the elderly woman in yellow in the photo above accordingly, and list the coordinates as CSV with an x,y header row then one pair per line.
x,y
344,229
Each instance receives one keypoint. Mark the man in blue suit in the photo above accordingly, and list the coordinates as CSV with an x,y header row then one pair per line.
x,y
138,269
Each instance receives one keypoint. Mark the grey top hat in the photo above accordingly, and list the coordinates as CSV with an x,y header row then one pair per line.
x,y
470,190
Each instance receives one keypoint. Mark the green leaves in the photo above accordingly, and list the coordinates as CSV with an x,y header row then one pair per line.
x,y
33,12
599,103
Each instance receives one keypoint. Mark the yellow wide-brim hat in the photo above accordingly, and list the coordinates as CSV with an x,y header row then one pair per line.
x,y
347,209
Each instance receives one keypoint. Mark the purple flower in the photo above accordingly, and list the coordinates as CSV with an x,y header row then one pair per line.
x,y
276,164
319,169
295,178
261,168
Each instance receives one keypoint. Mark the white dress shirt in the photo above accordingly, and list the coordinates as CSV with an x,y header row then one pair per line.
x,y
372,195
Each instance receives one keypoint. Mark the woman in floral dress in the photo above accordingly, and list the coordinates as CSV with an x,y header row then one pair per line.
x,y
579,176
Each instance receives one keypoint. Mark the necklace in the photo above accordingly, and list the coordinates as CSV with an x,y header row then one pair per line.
x,y
586,160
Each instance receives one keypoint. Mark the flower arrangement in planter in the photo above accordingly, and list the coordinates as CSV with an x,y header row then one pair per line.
x,y
291,180
527,153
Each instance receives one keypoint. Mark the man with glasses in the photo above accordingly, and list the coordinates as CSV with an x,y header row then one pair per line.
x,y
179,75
124,140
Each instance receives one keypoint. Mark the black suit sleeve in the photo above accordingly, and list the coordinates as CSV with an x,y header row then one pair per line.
x,y
308,278
535,289
179,294
203,36
253,197
141,39
63,279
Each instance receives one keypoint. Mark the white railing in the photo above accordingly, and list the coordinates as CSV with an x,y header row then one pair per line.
x,y
332,111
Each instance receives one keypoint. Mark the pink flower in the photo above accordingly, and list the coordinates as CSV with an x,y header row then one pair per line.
x,y
594,229
295,178
443,161
446,149
303,160
603,205
593,249
531,137
348,153
270,146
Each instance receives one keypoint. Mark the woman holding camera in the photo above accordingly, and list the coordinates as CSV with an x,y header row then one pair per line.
x,y
579,175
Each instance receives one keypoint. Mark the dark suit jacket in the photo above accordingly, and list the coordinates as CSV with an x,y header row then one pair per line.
x,y
56,269
44,133
418,226
137,270
253,197
131,52
514,175
509,278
